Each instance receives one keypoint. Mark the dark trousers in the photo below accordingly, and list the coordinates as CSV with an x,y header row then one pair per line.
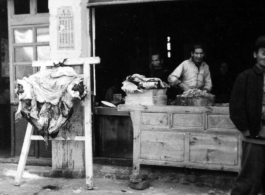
x,y
251,177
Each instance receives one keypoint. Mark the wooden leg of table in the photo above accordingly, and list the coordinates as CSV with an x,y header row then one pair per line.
x,y
23,155
136,168
136,120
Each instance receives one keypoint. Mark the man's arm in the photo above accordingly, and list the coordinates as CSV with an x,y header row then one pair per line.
x,y
237,105
173,78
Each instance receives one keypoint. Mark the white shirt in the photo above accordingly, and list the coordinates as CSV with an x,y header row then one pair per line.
x,y
192,76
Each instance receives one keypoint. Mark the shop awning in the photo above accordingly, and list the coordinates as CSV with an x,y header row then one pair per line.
x,y
94,3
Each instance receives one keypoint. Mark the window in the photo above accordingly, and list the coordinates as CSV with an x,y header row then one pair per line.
x,y
22,6
42,6
29,30
29,43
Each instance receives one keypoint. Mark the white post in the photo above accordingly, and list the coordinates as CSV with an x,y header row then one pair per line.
x,y
88,129
23,155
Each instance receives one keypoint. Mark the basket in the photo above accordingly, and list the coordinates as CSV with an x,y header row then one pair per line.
x,y
195,101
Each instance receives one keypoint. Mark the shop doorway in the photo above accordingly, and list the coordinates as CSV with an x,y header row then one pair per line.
x,y
126,34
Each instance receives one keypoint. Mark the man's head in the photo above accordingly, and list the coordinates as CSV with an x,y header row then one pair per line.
x,y
197,54
156,60
259,52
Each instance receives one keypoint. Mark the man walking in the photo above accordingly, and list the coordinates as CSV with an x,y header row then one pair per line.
x,y
247,111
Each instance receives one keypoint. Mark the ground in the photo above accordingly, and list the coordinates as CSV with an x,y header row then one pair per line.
x,y
34,184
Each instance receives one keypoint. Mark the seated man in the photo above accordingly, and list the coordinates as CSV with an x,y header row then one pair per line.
x,y
192,73
114,93
156,67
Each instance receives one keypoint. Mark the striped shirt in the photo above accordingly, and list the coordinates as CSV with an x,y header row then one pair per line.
x,y
193,76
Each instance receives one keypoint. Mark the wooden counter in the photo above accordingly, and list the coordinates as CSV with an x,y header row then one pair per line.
x,y
182,136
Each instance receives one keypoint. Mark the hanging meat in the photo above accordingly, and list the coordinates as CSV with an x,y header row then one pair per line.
x,y
46,99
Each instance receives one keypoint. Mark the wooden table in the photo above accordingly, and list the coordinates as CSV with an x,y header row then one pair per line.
x,y
182,136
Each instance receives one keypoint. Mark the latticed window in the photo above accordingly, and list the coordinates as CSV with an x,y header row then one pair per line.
x,y
28,37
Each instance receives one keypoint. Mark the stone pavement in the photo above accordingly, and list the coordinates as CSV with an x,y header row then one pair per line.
x,y
34,183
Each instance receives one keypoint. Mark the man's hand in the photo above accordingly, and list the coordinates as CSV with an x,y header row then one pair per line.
x,y
246,133
184,86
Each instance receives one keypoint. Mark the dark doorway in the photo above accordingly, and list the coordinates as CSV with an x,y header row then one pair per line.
x,y
5,124
126,34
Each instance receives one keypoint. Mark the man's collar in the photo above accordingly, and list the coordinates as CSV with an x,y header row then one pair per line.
x,y
201,65
257,69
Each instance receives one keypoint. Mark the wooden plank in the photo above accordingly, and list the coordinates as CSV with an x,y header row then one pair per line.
x,y
28,19
94,3
20,129
59,151
136,118
173,109
187,147
110,111
75,138
72,62
93,21
214,149
155,119
11,11
69,154
168,146
191,165
23,155
159,100
187,121
220,122
88,126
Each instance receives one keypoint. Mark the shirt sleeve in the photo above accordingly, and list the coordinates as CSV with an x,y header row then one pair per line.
x,y
178,71
207,79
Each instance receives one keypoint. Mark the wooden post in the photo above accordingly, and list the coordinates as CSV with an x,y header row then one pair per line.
x,y
88,129
23,155
136,118
87,125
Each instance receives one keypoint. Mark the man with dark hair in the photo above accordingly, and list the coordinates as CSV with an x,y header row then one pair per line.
x,y
247,111
192,73
157,68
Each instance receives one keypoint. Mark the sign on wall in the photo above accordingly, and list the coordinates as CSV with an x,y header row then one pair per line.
x,y
65,28
4,58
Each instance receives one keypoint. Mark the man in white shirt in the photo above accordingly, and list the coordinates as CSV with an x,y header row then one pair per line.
x,y
192,73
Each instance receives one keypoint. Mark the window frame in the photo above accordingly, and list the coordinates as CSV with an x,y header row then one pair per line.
x,y
32,20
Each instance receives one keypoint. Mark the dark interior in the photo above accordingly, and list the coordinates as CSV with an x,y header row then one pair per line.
x,y
5,129
126,34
